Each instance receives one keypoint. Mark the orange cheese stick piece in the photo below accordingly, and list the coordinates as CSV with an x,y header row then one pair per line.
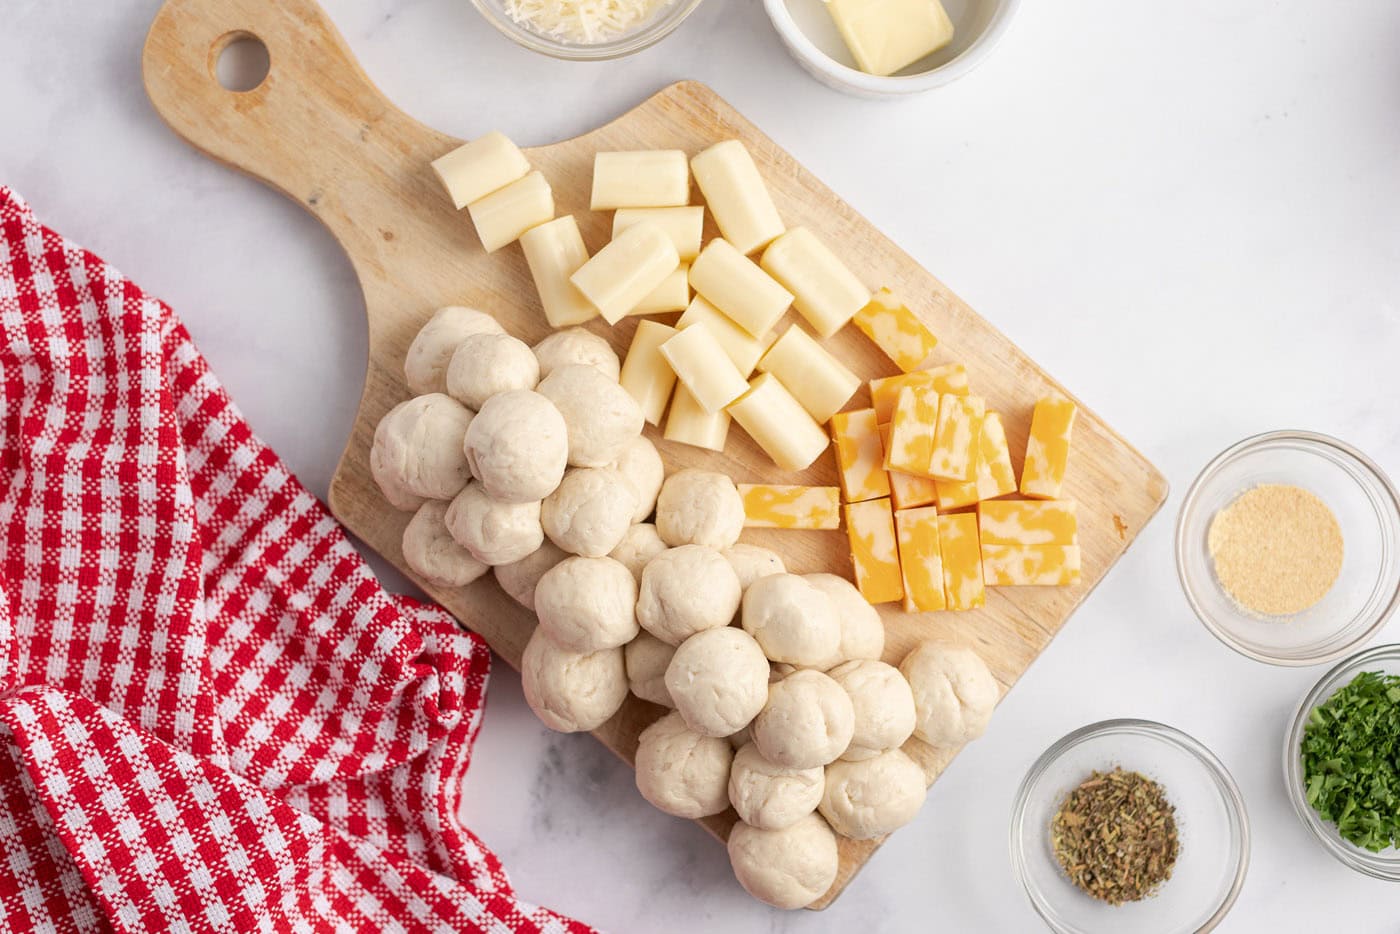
x,y
907,490
896,330
1042,522
957,438
962,562
912,438
860,455
768,506
1047,449
1030,565
950,378
921,559
874,550
995,476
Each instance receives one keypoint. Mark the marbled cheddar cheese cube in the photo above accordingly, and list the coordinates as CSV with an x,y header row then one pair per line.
x,y
907,490
896,330
874,551
920,559
955,494
768,506
1042,522
912,435
957,439
962,562
1047,450
860,455
995,476
1030,565
949,378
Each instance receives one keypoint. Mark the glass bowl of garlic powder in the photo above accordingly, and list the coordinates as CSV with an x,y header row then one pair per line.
x,y
586,30
1288,548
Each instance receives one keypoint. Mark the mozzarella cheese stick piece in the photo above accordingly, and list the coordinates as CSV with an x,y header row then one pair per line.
x,y
1041,522
920,559
646,375
907,490
743,348
689,424
1030,565
860,455
703,367
963,588
554,251
825,292
995,476
779,424
957,438
768,506
476,169
948,379
673,294
742,207
1047,449
874,551
820,382
735,285
912,431
685,226
896,330
627,270
655,178
502,216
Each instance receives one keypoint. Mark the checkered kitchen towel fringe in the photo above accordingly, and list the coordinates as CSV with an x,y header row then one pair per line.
x,y
212,718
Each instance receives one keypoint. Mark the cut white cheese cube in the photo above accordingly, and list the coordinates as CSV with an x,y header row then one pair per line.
x,y
554,251
735,285
646,375
886,35
673,294
743,348
644,179
685,226
825,292
627,270
742,207
703,367
690,424
502,216
476,169
816,379
779,424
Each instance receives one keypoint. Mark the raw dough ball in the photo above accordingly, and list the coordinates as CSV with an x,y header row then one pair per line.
x,y
571,691
590,511
770,796
954,693
647,660
639,545
883,703
432,553
793,621
587,604
751,562
577,346
862,630
486,365
681,772
601,415
807,722
718,680
699,507
873,797
418,448
425,366
686,590
518,579
641,465
742,738
788,868
494,532
518,446
395,493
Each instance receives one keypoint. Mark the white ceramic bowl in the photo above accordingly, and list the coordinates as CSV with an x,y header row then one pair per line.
x,y
810,35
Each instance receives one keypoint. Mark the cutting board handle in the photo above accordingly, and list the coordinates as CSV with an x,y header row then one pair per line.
x,y
313,81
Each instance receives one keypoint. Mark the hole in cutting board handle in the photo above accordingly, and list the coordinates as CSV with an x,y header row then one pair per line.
x,y
240,62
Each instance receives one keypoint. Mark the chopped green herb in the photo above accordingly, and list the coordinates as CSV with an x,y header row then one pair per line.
x,y
1351,760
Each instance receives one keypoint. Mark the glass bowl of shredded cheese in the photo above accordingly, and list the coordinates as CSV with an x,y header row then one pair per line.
x,y
1288,548
586,30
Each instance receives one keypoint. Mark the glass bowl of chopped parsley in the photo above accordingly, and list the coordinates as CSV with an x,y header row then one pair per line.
x,y
1341,762
1130,827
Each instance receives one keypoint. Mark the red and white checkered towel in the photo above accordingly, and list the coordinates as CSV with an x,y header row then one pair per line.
x,y
212,718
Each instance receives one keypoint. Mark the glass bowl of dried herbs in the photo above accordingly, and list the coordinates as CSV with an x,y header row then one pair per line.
x,y
1131,827
1341,762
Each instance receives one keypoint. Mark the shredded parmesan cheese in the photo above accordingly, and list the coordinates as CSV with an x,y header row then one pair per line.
x,y
583,22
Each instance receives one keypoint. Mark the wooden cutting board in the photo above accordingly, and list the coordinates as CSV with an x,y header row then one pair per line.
x,y
319,131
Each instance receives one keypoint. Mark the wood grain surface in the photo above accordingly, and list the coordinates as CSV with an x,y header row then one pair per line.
x,y
318,130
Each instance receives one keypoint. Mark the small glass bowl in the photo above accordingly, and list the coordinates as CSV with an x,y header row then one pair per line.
x,y
1210,816
1367,508
1382,865
643,37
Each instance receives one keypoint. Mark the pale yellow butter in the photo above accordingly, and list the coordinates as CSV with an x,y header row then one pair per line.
x,y
886,35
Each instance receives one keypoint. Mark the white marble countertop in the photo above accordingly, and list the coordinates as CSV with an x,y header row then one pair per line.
x,y
1190,213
